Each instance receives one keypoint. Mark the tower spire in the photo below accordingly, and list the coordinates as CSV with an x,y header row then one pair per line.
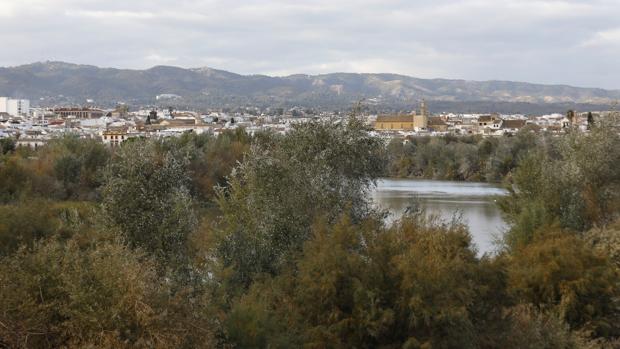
x,y
423,109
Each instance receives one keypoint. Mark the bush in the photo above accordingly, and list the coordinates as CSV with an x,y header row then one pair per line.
x,y
359,286
558,272
101,294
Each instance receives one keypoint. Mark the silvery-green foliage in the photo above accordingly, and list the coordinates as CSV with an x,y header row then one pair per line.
x,y
284,184
572,180
146,196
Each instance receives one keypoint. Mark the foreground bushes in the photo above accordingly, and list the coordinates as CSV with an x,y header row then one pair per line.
x,y
26,222
361,286
419,284
291,252
91,294
560,273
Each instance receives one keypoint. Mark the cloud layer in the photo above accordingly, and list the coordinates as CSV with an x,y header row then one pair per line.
x,y
548,41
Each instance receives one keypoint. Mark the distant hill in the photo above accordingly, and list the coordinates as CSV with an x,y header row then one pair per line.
x,y
64,83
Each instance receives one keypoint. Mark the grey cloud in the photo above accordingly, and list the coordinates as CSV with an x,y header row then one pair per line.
x,y
548,41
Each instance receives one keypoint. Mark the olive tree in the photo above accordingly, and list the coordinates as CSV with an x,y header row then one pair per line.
x,y
145,196
284,184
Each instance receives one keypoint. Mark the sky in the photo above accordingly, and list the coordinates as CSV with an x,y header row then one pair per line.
x,y
575,42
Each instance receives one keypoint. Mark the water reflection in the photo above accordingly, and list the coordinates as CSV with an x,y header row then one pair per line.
x,y
475,202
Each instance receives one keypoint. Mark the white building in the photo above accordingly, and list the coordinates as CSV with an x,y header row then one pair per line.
x,y
4,103
14,107
18,107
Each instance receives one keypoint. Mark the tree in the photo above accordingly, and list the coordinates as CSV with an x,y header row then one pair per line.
x,y
211,159
283,185
146,197
7,145
590,120
574,181
66,168
459,158
14,179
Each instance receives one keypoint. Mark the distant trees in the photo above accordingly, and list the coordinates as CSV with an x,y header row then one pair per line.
x,y
14,179
469,158
67,169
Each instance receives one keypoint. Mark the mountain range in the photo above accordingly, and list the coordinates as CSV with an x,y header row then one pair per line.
x,y
57,83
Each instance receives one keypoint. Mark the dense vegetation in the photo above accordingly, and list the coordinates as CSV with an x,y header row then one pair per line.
x,y
468,158
271,241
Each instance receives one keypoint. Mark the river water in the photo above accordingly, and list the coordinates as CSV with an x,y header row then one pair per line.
x,y
474,202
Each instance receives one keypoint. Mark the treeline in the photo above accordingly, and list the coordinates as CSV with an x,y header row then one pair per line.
x,y
467,158
273,242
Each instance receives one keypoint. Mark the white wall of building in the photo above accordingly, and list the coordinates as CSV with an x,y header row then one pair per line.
x,y
4,102
14,107
26,106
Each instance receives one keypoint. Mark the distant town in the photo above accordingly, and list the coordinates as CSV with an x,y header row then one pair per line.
x,y
34,126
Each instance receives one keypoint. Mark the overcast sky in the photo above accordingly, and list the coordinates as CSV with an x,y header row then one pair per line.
x,y
573,42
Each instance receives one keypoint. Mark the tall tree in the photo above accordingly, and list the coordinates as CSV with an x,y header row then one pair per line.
x,y
284,184
146,197
590,120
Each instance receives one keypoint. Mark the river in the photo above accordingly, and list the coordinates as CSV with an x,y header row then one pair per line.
x,y
475,202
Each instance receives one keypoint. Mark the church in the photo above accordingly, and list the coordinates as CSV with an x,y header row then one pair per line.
x,y
409,122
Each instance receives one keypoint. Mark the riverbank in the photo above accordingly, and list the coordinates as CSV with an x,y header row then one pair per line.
x,y
473,202
471,159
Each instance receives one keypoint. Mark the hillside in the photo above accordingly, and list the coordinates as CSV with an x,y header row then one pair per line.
x,y
65,83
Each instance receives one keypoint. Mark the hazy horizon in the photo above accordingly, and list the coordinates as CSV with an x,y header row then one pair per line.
x,y
307,74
